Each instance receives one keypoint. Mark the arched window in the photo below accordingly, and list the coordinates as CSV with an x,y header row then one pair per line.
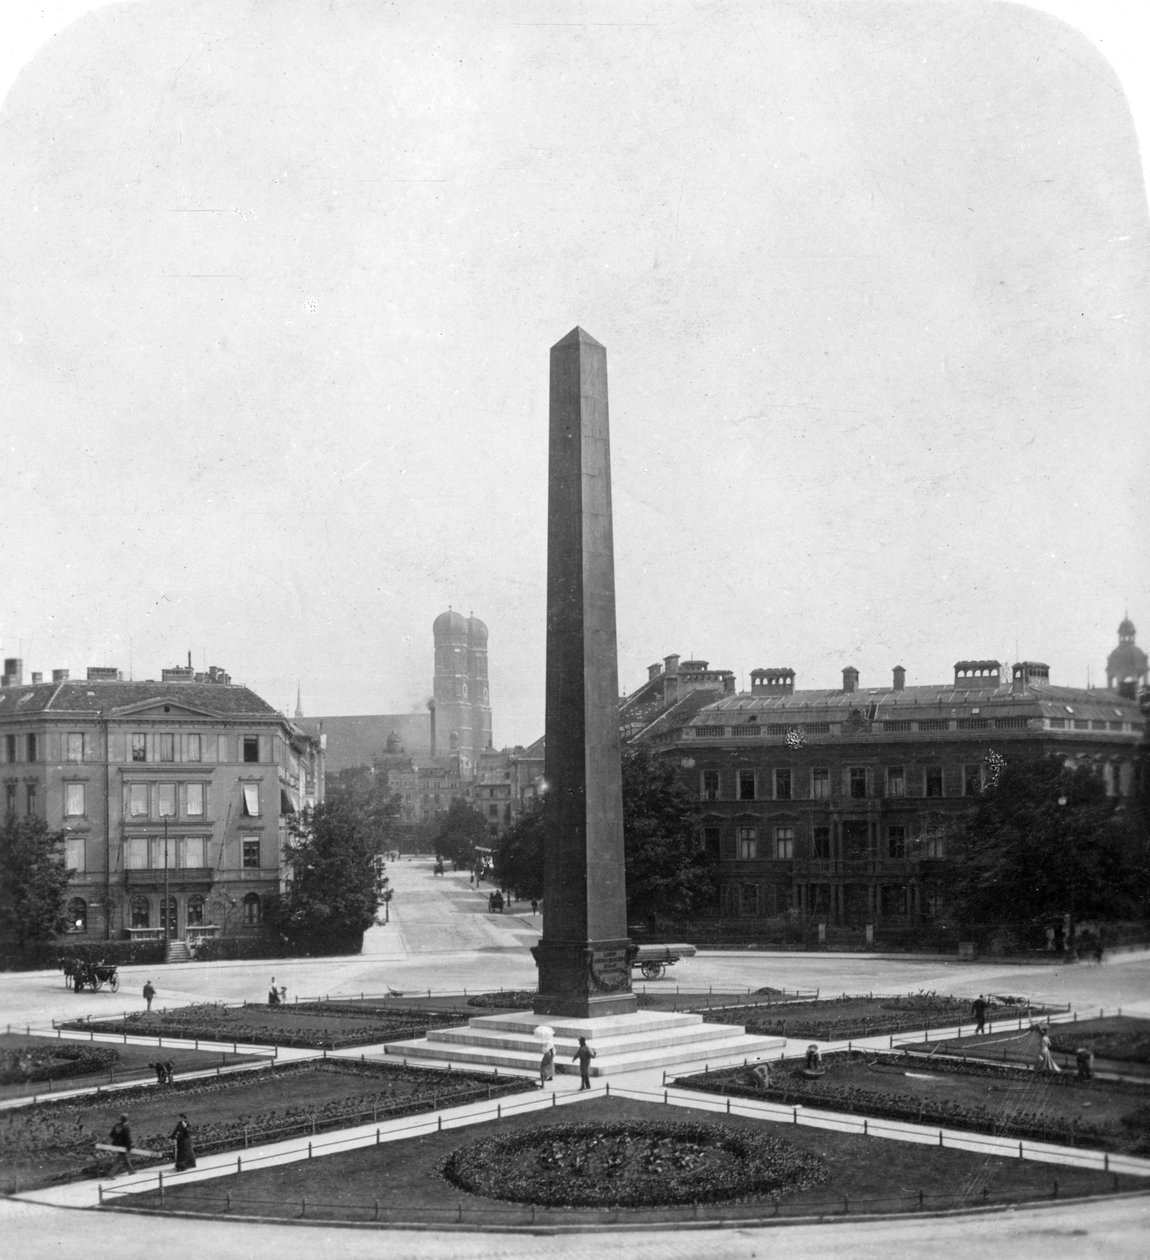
x,y
195,911
141,916
77,913
252,908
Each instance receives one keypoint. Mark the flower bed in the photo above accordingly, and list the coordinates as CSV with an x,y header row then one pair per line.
x,y
315,1026
998,1099
637,1164
1119,1037
20,1065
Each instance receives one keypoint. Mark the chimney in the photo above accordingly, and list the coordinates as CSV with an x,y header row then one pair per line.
x,y
1027,674
772,682
13,671
850,678
899,678
672,664
104,673
653,671
37,679
59,675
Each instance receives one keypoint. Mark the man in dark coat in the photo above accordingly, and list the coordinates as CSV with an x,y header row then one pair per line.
x,y
121,1138
185,1155
584,1054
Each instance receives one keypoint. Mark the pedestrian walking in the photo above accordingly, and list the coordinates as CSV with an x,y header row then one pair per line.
x,y
1045,1058
149,993
978,1007
583,1055
534,905
547,1065
121,1139
185,1155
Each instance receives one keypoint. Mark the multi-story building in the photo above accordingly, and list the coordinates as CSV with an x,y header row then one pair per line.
x,y
175,796
831,809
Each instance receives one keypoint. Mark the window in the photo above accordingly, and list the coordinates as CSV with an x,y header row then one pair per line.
x,y
74,857
137,800
251,909
141,916
899,725
162,853
748,899
31,747
74,746
10,748
896,842
10,798
821,843
892,899
934,724
166,800
971,780
784,843
252,799
77,912
136,858
711,838
194,800
748,844
895,781
710,785
30,794
195,915
935,845
139,747
73,800
934,780
251,848
858,781
193,748
192,852
856,839
746,785
710,732
251,748
782,785
820,785
167,747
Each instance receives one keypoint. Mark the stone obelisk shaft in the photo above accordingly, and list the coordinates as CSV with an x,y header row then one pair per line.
x,y
584,969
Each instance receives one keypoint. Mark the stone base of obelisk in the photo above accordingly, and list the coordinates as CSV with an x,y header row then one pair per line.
x,y
622,1043
584,980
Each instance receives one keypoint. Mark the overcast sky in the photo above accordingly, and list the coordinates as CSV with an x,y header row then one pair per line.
x,y
280,283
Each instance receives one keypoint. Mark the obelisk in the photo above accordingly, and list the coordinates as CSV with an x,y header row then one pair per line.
x,y
582,955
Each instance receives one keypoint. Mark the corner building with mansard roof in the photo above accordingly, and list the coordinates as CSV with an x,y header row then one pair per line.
x,y
829,810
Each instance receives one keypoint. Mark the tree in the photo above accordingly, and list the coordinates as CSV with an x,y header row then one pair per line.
x,y
463,827
519,857
668,870
33,879
365,790
333,889
1044,843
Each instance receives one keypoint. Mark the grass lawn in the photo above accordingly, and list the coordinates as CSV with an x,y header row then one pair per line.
x,y
403,1178
131,1063
1116,1040
316,1026
54,1140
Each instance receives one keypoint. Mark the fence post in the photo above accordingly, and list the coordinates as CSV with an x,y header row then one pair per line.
x,y
920,1200
239,1164
1020,1150
377,1209
665,1096
309,1150
864,1127
161,1177
795,1114
460,1216
499,1111
439,1123
940,1139
303,1208
228,1202
1056,1187
846,1205
728,1106
377,1138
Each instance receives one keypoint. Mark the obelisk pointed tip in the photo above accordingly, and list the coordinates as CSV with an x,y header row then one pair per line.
x,y
576,335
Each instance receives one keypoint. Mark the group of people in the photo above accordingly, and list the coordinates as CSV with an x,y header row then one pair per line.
x,y
120,1139
276,996
583,1056
165,1071
79,974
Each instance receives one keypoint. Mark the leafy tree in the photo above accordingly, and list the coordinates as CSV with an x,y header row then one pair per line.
x,y
669,870
463,827
519,857
33,879
334,886
1044,841
365,791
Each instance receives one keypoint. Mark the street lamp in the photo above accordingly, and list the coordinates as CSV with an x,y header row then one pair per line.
x,y
166,910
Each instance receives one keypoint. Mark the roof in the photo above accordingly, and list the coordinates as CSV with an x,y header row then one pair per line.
x,y
111,696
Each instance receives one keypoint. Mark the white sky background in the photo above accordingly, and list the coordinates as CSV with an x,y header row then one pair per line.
x,y
280,283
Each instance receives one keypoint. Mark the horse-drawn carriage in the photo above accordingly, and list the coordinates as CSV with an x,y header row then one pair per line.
x,y
653,960
86,975
495,902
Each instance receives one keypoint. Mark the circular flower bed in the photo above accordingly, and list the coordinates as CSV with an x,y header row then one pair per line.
x,y
631,1165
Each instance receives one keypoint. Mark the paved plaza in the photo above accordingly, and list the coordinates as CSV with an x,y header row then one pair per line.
x,y
441,938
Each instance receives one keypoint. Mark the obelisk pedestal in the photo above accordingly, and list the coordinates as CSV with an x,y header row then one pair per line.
x,y
583,954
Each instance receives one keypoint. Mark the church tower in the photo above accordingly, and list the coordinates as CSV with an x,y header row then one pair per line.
x,y
461,694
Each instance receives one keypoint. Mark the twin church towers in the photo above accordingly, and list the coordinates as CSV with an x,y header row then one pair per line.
x,y
461,700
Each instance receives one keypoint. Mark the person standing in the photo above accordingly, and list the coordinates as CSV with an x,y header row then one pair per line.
x,y
149,993
185,1155
978,1007
273,993
583,1055
121,1139
547,1065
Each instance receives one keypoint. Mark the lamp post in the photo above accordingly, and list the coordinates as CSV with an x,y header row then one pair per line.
x,y
166,908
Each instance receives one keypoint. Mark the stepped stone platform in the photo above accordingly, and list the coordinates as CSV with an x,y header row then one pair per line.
x,y
621,1042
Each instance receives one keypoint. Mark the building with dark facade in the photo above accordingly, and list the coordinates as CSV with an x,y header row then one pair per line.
x,y
829,810
175,796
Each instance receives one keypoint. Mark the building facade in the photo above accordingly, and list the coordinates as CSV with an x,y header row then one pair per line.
x,y
829,811
175,797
